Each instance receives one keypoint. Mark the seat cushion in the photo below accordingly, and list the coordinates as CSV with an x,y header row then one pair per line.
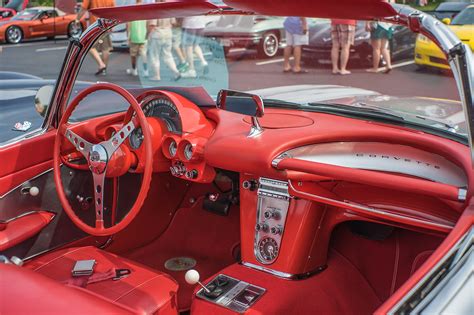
x,y
145,290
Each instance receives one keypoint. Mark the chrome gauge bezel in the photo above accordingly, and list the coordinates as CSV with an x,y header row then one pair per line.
x,y
173,148
188,151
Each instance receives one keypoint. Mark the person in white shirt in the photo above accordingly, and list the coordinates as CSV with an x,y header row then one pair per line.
x,y
192,36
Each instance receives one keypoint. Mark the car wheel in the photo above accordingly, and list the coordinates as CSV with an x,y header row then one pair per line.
x,y
14,35
268,46
74,30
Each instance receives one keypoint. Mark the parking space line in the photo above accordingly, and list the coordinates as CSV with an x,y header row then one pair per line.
x,y
261,63
51,48
398,65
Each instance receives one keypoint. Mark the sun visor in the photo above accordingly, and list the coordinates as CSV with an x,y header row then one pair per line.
x,y
340,9
158,10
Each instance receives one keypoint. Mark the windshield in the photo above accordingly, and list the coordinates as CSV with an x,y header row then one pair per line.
x,y
247,53
289,61
466,17
26,15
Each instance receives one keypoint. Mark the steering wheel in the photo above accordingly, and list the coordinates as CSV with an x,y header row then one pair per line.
x,y
98,157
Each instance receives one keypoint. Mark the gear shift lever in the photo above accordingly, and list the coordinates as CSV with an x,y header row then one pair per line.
x,y
192,277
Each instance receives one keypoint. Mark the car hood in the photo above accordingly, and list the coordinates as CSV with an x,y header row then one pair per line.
x,y
465,33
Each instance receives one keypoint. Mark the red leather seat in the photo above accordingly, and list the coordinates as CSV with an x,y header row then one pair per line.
x,y
145,291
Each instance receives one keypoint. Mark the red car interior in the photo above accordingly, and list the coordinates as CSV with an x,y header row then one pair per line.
x,y
347,241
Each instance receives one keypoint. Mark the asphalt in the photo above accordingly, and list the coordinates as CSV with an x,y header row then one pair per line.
x,y
241,71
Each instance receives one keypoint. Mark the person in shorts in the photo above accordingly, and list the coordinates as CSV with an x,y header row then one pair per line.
x,y
296,32
176,43
380,35
193,28
101,49
342,35
159,46
137,31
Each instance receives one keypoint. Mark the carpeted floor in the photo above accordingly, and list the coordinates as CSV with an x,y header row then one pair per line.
x,y
208,238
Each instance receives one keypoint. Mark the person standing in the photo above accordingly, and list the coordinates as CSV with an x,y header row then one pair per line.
x,y
342,35
296,29
193,27
104,44
380,34
177,36
137,31
159,45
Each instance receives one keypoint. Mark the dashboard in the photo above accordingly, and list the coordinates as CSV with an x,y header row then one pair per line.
x,y
306,173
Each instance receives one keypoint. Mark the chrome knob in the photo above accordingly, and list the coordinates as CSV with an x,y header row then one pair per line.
x,y
276,230
261,227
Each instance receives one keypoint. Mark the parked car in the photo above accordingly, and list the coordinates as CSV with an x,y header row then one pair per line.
x,y
265,34
39,22
448,10
320,43
427,53
6,14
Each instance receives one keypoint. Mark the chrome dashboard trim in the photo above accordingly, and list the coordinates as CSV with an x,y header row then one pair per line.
x,y
379,156
281,274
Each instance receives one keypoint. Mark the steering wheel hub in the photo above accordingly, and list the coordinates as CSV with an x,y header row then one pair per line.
x,y
98,159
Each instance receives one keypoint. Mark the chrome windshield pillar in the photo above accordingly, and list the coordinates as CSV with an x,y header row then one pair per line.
x,y
76,52
459,56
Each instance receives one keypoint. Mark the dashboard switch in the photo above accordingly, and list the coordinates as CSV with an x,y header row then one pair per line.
x,y
261,227
276,230
193,174
249,184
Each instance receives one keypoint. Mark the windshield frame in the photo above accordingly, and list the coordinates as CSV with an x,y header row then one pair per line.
x,y
458,54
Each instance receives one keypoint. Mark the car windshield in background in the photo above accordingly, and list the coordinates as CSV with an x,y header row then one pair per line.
x,y
364,70
466,17
25,15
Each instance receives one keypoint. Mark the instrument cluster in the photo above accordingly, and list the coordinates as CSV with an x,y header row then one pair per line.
x,y
186,154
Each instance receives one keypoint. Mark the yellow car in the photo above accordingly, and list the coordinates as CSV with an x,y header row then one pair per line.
x,y
428,54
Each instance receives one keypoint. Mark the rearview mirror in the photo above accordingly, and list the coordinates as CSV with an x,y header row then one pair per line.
x,y
446,21
240,103
43,98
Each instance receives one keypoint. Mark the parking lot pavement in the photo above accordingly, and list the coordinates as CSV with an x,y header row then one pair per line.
x,y
43,58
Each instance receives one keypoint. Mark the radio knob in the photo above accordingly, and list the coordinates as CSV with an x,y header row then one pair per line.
x,y
276,230
261,227
272,213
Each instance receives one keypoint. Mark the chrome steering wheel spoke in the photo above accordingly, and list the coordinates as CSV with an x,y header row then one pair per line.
x,y
99,180
118,138
79,143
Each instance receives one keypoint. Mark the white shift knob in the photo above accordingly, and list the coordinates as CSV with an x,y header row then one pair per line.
x,y
34,191
191,276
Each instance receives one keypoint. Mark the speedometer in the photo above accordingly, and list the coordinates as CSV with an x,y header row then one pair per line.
x,y
162,107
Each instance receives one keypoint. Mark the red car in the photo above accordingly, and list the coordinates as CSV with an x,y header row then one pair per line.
x,y
284,203
39,22
6,14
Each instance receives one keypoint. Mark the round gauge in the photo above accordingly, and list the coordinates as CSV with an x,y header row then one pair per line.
x,y
173,148
268,249
188,151
162,107
136,138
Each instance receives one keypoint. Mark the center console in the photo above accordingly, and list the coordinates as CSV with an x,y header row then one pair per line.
x,y
231,293
272,210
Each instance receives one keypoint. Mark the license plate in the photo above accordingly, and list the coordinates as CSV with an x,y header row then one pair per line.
x,y
324,61
226,42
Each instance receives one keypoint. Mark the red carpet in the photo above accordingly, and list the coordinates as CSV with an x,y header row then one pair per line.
x,y
195,233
